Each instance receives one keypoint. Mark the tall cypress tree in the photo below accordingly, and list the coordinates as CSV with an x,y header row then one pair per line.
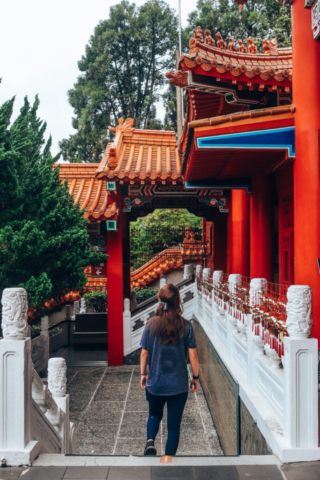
x,y
43,235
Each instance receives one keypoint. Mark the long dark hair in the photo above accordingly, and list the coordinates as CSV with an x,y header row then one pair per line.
x,y
168,324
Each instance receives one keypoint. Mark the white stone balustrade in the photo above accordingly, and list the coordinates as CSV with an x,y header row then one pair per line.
x,y
32,420
283,401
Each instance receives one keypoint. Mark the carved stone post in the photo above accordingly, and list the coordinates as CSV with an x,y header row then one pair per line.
x,y
82,305
57,384
127,327
163,281
300,373
45,335
199,290
16,446
187,271
76,309
258,286
234,280
216,278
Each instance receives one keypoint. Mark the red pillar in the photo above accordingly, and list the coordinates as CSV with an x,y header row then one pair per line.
x,y
306,98
261,229
240,233
115,290
220,236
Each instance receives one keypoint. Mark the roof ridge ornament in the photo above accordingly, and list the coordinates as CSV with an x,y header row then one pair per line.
x,y
252,47
270,47
220,43
122,128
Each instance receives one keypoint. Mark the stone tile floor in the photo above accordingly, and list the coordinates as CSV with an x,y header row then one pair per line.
x,y
300,471
110,411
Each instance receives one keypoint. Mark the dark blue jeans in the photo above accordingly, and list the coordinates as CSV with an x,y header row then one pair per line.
x,y
175,406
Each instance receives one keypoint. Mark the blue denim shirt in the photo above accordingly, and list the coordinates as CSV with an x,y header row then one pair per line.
x,y
168,373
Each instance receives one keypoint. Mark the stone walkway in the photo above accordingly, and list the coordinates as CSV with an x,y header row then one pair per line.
x,y
110,411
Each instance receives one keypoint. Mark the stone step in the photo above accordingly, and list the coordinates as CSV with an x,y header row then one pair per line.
x,y
46,460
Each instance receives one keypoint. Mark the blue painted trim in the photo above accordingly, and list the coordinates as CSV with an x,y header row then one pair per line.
x,y
239,184
274,139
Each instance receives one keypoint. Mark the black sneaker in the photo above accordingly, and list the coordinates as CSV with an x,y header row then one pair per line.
x,y
150,448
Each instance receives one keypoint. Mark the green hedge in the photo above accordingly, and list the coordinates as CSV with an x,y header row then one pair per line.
x,y
96,301
145,294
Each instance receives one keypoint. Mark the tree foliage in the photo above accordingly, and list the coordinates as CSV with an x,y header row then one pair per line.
x,y
158,231
122,73
260,19
43,235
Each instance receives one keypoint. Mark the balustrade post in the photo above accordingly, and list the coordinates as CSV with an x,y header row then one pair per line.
x,y
76,309
187,271
57,384
45,334
163,281
234,280
15,380
205,296
199,289
301,372
216,278
127,327
82,305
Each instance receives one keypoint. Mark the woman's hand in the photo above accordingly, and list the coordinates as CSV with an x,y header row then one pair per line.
x,y
143,381
194,385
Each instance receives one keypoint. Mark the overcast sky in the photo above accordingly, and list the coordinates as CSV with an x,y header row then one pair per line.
x,y
40,45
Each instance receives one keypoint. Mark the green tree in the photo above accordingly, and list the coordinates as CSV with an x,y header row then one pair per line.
x,y
161,229
122,74
43,235
260,19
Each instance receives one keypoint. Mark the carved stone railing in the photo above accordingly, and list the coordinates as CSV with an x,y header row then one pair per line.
x,y
133,324
34,418
264,339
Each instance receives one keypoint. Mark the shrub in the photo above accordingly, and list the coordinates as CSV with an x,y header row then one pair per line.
x,y
96,301
55,331
145,294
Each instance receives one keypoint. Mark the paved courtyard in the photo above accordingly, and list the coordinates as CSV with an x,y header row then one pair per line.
x,y
110,411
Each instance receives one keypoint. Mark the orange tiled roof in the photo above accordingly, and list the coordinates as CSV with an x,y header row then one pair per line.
x,y
274,65
87,190
140,154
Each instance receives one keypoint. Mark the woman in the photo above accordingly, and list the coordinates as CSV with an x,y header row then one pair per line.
x,y
166,342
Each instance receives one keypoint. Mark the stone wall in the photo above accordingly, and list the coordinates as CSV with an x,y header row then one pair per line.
x,y
252,440
237,430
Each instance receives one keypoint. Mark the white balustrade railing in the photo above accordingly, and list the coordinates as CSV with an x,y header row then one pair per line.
x,y
277,372
133,325
34,418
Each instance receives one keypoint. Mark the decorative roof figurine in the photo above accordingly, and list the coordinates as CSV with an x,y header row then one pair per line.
x,y
270,47
242,47
198,34
252,48
231,46
209,39
220,43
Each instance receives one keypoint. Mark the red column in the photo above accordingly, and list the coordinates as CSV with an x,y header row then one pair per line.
x,y
115,290
261,229
306,98
220,236
240,233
